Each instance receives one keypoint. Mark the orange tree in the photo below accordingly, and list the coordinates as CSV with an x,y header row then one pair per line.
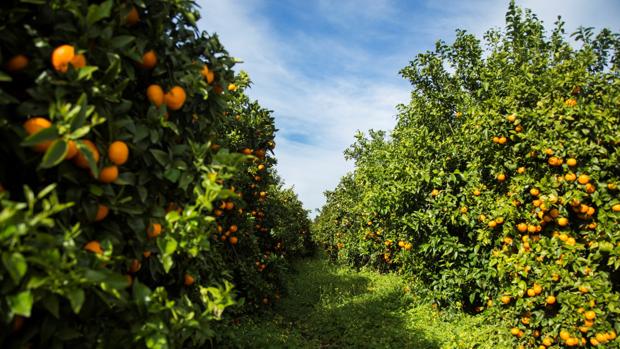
x,y
111,183
499,184
271,225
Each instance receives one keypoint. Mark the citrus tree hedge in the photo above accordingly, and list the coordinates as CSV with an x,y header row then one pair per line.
x,y
126,216
498,186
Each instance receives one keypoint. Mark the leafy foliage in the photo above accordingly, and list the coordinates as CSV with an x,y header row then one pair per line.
x,y
129,245
499,182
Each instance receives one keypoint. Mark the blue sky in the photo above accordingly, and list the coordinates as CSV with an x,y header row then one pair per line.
x,y
330,67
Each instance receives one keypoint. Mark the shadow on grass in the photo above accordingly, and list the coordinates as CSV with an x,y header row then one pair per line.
x,y
328,307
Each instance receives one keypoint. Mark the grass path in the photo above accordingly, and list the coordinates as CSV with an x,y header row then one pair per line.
x,y
336,307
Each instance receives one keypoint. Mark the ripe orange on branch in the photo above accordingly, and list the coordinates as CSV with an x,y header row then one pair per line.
x,y
17,63
155,94
35,125
149,60
118,152
175,98
80,160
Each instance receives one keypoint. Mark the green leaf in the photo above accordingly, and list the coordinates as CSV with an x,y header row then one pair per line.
x,y
172,174
115,281
55,153
160,156
21,303
121,40
51,304
15,264
76,298
141,293
86,72
47,134
5,77
98,12
171,246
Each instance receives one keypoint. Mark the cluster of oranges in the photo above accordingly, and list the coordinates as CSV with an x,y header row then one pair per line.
x,y
553,210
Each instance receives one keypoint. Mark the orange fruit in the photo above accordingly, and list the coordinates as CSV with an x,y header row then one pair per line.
x,y
521,170
233,240
435,192
551,300
502,140
135,266
232,87
511,118
175,98
146,254
562,221
505,299
515,331
207,74
102,212
154,230
233,228
71,150
572,341
570,177
534,191
548,341
584,289
118,152
571,102
230,205
583,179
62,56
17,63
149,60
464,209
518,128
94,247
501,177
616,208
555,161
188,280
155,94
34,125
594,342
133,17
80,160
564,335
108,174
477,192
78,61
531,292
261,167
590,315
537,289
571,162
590,188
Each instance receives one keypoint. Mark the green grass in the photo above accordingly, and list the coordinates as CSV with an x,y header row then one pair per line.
x,y
335,307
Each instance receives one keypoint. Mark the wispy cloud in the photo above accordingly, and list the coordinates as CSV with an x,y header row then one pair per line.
x,y
330,68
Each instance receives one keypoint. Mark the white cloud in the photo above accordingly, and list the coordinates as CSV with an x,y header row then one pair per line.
x,y
360,88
